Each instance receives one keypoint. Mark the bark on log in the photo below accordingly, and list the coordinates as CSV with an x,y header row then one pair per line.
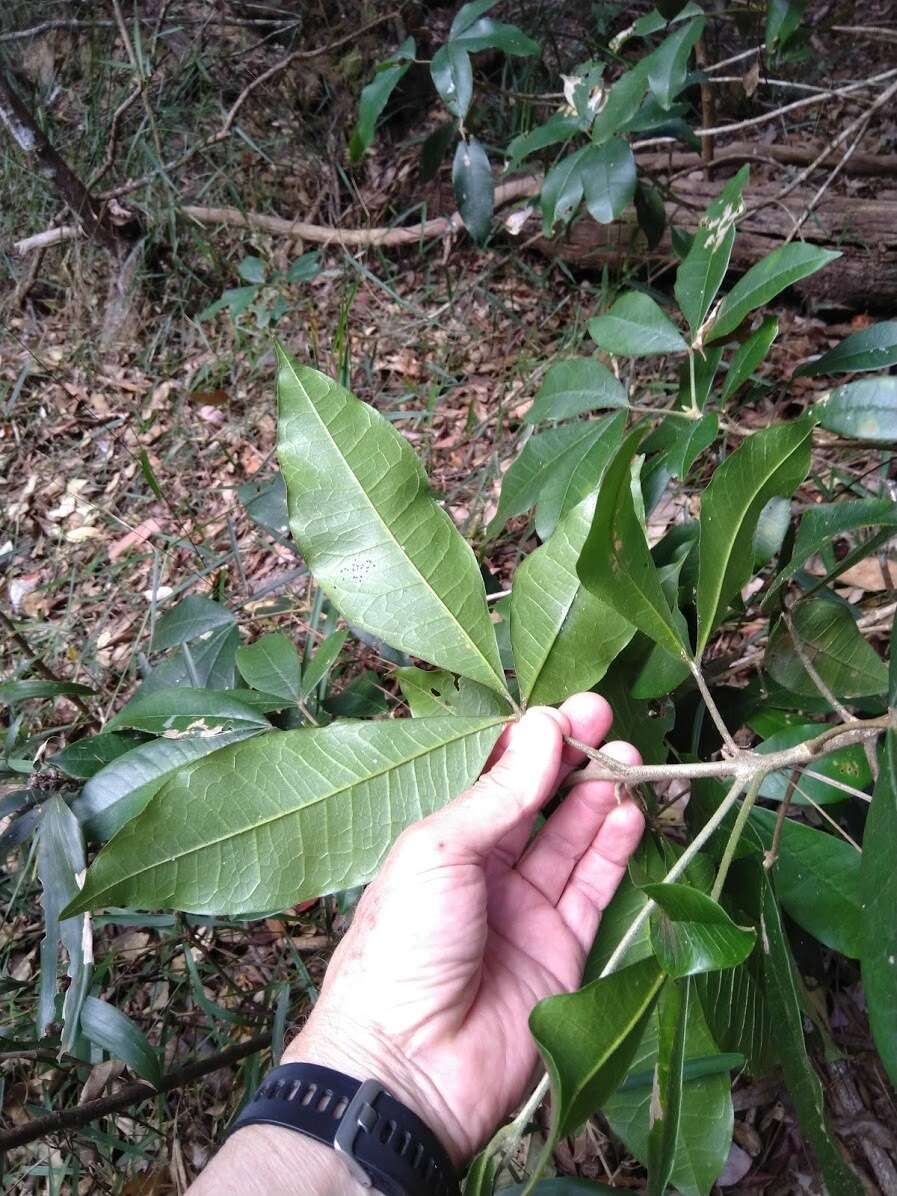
x,y
864,230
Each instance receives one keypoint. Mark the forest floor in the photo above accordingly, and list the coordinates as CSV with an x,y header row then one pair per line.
x,y
125,469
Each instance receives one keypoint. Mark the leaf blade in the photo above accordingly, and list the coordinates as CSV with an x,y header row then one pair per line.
x,y
878,880
786,265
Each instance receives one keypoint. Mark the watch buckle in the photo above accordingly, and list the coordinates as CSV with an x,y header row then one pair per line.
x,y
359,1115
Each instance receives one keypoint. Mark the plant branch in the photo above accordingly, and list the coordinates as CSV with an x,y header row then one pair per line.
x,y
735,836
131,1094
712,709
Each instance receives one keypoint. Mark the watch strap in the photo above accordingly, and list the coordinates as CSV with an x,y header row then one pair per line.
x,y
385,1144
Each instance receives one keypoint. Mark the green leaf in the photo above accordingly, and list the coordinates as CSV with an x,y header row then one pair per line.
x,y
271,665
692,933
487,34
667,66
474,188
692,438
467,14
578,473
303,827
822,525
364,697
873,348
252,269
636,327
848,765
782,19
564,638
193,617
306,267
453,78
433,692
737,1014
562,190
86,757
772,527
878,885
766,279
558,128
788,1036
60,860
321,663
769,463
748,356
622,103
845,661
375,96
616,565
650,213
12,692
863,410
669,1075
573,386
608,179
587,1040
700,275
696,378
187,711
817,880
119,791
537,464
434,149
705,1119
109,1028
374,538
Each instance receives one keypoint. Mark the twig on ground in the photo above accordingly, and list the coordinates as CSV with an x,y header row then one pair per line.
x,y
45,671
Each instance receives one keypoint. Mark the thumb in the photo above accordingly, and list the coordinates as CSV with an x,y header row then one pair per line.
x,y
513,789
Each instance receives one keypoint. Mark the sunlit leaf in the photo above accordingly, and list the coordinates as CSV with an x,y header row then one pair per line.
x,y
769,463
385,553
303,826
563,637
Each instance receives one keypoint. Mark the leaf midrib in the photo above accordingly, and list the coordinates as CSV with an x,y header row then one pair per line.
x,y
257,826
453,617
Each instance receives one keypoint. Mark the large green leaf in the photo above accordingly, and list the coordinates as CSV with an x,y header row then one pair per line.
x,y
748,356
669,1075
823,524
433,692
587,1040
878,881
873,348
737,1014
636,327
616,563
558,128
35,687
833,643
764,280
119,791
272,665
109,1028
538,463
323,660
467,14
863,410
705,1119
386,554
700,275
578,473
788,1036
667,66
573,386
622,103
564,638
453,78
562,190
769,463
608,179
319,809
848,765
691,438
487,34
187,711
473,187
84,758
60,861
817,880
375,96
692,933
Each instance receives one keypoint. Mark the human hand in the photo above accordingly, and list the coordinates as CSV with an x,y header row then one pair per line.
x,y
469,924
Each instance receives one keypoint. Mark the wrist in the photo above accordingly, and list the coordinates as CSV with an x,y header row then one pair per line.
x,y
268,1160
368,1055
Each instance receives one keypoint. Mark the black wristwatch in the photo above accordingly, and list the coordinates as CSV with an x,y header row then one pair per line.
x,y
386,1146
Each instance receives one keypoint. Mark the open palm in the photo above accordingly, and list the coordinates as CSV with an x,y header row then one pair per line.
x,y
471,921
